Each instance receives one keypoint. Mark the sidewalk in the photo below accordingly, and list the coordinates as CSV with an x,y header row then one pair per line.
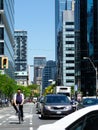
x,y
5,106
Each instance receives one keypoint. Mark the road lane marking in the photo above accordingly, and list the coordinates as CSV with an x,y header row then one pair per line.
x,y
31,128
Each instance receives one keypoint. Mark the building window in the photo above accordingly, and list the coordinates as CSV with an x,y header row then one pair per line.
x,y
69,61
69,42
69,55
69,23
1,33
1,4
69,74
1,48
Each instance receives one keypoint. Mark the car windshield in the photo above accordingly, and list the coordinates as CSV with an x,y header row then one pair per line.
x,y
57,99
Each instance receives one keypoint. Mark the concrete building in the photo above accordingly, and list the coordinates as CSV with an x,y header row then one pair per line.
x,y
64,32
20,56
68,59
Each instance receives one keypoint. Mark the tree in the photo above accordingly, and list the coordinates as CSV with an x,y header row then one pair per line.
x,y
25,90
35,90
7,86
49,89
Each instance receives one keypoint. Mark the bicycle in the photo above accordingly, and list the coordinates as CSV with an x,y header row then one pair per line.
x,y
19,114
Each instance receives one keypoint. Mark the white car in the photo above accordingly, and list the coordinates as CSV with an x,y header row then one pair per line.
x,y
83,119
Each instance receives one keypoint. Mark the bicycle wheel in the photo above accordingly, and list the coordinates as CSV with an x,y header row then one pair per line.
x,y
19,117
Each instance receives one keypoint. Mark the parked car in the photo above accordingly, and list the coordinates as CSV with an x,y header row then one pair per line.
x,y
38,104
87,102
83,119
56,105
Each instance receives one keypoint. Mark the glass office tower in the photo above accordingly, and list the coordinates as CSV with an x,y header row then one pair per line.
x,y
7,33
88,45
49,73
39,64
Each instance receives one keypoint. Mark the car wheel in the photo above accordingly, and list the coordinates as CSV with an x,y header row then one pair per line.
x,y
41,116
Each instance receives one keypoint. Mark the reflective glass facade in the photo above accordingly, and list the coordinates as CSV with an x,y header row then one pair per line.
x,y
49,73
7,33
90,14
39,64
88,45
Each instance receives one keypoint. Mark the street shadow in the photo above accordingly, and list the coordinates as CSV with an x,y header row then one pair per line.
x,y
15,122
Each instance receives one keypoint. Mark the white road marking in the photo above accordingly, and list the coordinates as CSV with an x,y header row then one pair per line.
x,y
1,116
31,128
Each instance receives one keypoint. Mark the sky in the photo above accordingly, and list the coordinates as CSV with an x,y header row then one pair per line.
x,y
38,19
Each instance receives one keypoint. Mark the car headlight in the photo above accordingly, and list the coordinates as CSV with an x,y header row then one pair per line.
x,y
68,107
48,107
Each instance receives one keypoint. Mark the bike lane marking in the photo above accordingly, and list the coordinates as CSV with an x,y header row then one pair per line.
x,y
31,128
31,118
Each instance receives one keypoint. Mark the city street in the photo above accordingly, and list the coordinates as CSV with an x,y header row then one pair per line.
x,y
9,121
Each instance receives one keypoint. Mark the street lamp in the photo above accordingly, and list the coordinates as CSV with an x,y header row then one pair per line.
x,y
95,71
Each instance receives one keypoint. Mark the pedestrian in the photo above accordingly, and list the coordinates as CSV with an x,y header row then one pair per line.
x,y
18,99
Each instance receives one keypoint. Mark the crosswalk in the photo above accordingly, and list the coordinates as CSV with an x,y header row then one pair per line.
x,y
12,118
8,118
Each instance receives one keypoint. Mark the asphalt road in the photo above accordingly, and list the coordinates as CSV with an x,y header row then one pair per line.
x,y
9,121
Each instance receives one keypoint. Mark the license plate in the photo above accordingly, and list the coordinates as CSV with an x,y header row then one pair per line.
x,y
58,112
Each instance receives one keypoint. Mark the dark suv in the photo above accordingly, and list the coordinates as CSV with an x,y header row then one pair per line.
x,y
56,105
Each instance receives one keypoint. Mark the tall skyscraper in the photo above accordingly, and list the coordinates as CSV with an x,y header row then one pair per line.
x,y
64,8
68,48
20,49
49,73
7,33
20,56
60,6
88,45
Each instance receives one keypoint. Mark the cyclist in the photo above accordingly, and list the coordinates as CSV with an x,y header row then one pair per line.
x,y
18,99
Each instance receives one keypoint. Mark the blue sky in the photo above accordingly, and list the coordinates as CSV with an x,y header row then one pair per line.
x,y
38,19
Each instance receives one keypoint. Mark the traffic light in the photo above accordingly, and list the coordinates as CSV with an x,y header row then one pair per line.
x,y
4,62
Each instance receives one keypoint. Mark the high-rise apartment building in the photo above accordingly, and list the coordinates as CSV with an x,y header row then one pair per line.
x,y
49,73
20,56
88,45
20,50
7,33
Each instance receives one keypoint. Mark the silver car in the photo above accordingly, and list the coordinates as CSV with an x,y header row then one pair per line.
x,y
56,105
